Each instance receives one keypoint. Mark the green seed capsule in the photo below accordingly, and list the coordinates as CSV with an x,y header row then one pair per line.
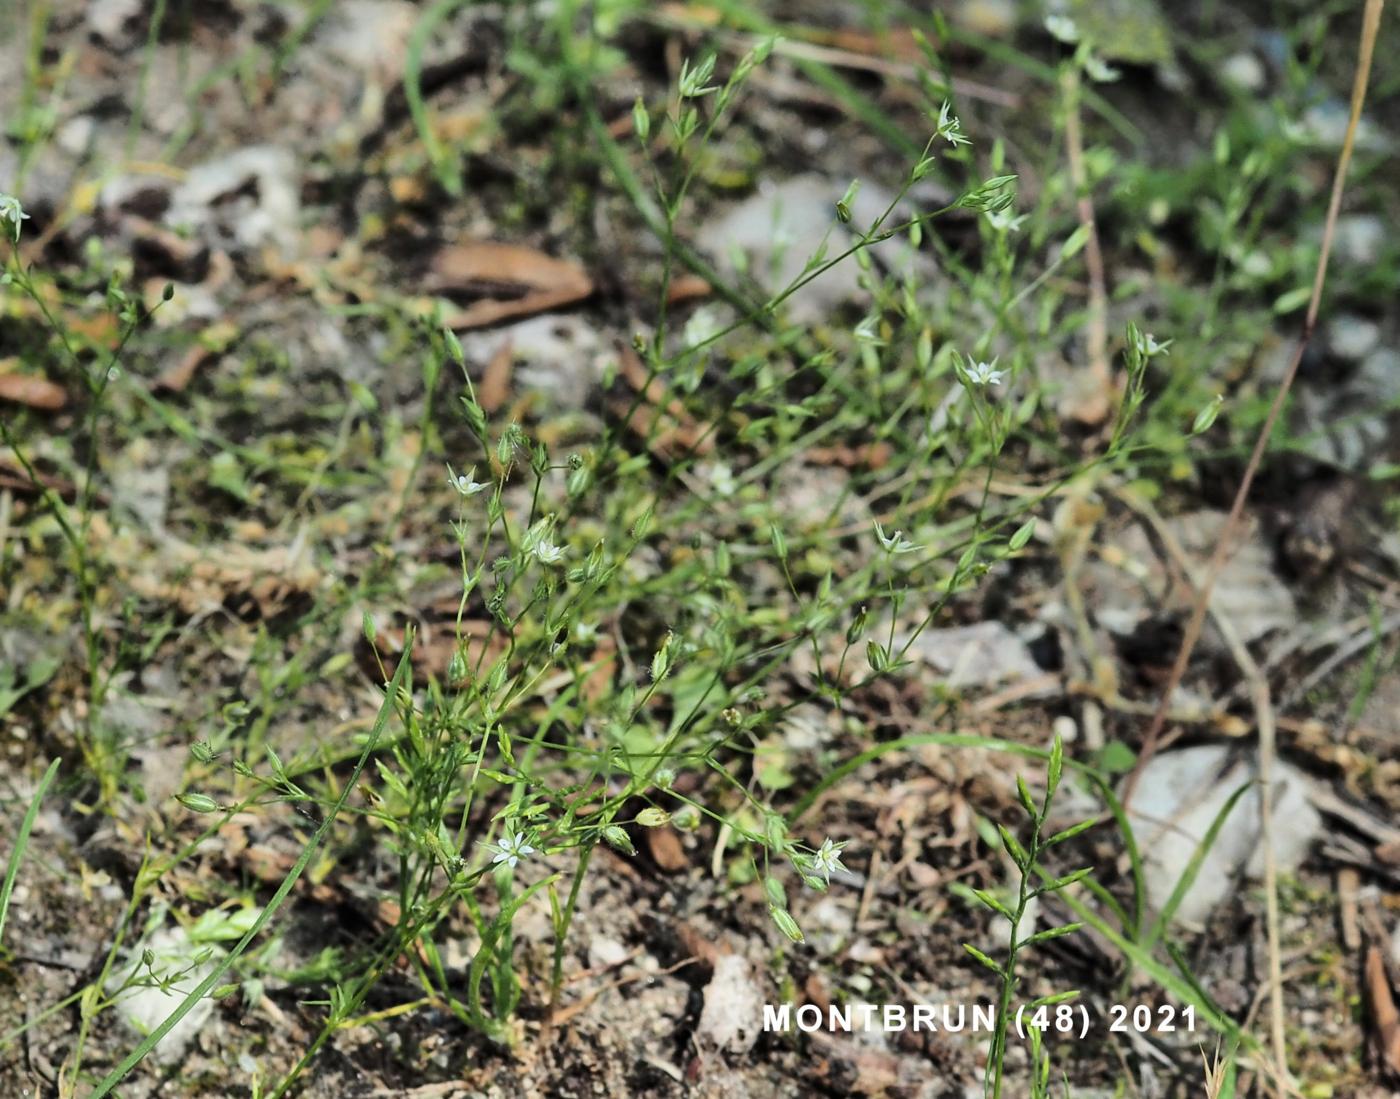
x,y
786,924
618,839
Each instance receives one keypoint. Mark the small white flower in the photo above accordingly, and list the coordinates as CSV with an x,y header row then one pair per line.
x,y
1004,221
867,331
827,859
1098,69
547,553
722,479
511,848
1149,347
692,81
948,127
465,483
984,374
535,542
1062,27
10,209
11,214
894,543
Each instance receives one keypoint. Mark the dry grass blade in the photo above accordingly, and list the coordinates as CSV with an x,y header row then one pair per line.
x,y
1215,1073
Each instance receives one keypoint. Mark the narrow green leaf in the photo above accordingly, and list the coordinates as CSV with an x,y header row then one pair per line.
x,y
22,841
775,534
1292,300
1055,998
1013,846
1022,535
1052,933
993,903
1206,416
1193,868
1070,832
993,966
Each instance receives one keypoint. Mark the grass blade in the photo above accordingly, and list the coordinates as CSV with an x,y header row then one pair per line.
x,y
1193,868
22,842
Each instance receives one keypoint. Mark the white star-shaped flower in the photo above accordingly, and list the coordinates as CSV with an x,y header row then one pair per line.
x,y
547,553
1149,347
827,859
722,480
984,374
511,848
1005,221
868,331
466,483
948,127
11,210
894,543
585,632
11,214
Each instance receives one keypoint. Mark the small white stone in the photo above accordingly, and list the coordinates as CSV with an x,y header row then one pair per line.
x,y
1359,238
113,20
732,1018
604,952
1179,795
1353,338
1378,378
75,135
273,217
